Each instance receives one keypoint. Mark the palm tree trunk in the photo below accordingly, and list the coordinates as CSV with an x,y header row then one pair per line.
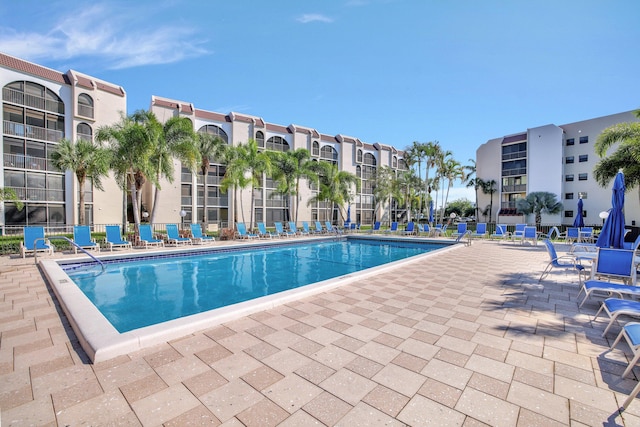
x,y
134,203
156,198
81,218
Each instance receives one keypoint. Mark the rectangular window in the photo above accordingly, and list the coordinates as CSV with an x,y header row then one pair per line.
x,y
568,178
571,141
582,194
568,159
584,214
583,158
582,177
568,214
584,139
568,196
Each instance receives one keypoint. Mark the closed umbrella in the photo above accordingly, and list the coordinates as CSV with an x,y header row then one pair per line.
x,y
430,211
579,221
348,214
612,234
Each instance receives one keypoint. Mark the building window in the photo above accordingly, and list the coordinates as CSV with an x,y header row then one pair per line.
x,y
277,143
315,148
568,159
369,159
84,132
328,153
582,177
260,139
359,156
571,141
584,214
582,194
215,131
394,163
568,196
85,105
584,139
568,178
568,214
583,158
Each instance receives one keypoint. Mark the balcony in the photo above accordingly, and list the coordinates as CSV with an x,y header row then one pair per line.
x,y
20,161
32,132
85,111
515,155
519,188
39,194
21,98
514,172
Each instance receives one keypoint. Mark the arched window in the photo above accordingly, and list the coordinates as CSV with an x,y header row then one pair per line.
x,y
277,143
328,153
85,105
84,131
358,171
369,159
216,131
394,162
260,139
402,165
315,148
359,156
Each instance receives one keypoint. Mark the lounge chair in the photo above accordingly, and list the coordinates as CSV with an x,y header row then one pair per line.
x,y
530,234
294,229
354,227
481,230
501,232
243,233
566,262
82,238
550,235
439,230
631,333
29,243
146,236
393,228
319,229
410,228
305,228
174,238
263,233
331,228
197,237
586,235
616,307
518,233
462,229
573,235
114,238
376,227
634,245
616,264
281,231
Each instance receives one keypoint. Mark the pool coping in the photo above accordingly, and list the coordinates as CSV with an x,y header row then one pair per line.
x,y
101,341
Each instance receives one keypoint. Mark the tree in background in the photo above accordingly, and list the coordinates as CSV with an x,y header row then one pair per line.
x,y
489,187
537,203
461,207
210,148
8,195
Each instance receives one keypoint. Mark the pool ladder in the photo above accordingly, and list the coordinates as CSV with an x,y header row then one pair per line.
x,y
35,253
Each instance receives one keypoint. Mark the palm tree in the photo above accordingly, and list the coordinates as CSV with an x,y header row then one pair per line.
x,y
335,186
87,160
383,187
539,202
288,168
408,181
235,177
473,181
626,156
489,187
132,143
255,162
412,155
210,147
432,151
177,140
452,170
8,195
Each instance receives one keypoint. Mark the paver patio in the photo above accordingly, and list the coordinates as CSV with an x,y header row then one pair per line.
x,y
467,337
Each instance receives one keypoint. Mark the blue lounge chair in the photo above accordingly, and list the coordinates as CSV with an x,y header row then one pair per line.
x,y
305,228
612,264
553,232
616,307
586,235
631,333
243,233
331,228
393,228
566,262
634,245
439,230
294,229
518,233
573,235
30,245
481,230
114,238
263,233
146,236
174,238
82,238
376,227
410,229
197,237
281,231
462,229
530,234
319,229
501,232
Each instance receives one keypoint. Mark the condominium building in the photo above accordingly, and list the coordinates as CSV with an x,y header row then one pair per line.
x,y
556,159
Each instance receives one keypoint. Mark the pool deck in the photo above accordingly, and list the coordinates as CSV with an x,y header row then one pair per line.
x,y
468,338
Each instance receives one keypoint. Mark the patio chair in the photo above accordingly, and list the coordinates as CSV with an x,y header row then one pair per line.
x,y
354,227
530,234
82,238
146,236
305,228
501,232
634,246
631,333
197,237
241,228
331,228
174,238
518,233
612,264
393,228
29,243
410,229
573,235
114,238
462,229
550,235
319,229
439,230
294,228
616,307
376,227
566,262
585,234
481,230
263,233
281,231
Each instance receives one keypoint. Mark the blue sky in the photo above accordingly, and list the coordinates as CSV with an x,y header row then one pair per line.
x,y
389,71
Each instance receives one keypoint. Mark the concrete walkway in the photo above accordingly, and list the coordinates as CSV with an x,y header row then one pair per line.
x,y
468,338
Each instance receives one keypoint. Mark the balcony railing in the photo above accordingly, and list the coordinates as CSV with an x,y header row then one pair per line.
x,y
519,188
85,136
31,132
21,161
85,111
39,194
21,98
514,155
514,172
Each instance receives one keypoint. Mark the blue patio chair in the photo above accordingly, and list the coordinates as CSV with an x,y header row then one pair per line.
x,y
305,228
410,228
612,264
376,227
530,234
29,243
82,238
616,307
634,245
553,232
566,262
518,233
631,333
440,230
573,234
481,230
114,238
319,229
462,229
281,231
146,236
501,232
354,227
393,228
241,228
585,234
198,237
174,238
294,229
331,228
263,233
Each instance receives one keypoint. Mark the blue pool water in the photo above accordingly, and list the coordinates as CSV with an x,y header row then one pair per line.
x,y
148,291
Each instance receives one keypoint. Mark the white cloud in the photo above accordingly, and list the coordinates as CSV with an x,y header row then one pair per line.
x,y
102,33
313,17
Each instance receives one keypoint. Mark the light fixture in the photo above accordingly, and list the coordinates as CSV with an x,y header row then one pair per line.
x,y
604,214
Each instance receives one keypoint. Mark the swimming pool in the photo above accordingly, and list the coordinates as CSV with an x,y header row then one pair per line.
x,y
185,290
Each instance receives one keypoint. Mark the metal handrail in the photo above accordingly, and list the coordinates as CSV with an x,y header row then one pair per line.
x,y
44,239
